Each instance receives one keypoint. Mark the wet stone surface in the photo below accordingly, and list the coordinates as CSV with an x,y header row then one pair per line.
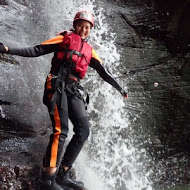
x,y
154,40
26,178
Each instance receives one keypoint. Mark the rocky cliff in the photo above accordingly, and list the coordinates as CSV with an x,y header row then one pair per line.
x,y
154,37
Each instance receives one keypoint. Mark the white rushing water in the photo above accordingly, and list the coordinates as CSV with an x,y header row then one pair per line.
x,y
109,160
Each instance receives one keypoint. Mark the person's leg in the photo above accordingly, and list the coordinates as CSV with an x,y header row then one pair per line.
x,y
78,116
54,150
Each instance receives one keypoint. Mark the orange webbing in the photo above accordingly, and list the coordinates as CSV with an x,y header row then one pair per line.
x,y
55,143
48,84
55,40
95,56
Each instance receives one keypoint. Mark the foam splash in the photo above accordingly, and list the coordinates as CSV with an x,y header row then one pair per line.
x,y
2,114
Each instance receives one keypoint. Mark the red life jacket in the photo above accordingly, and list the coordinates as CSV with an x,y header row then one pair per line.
x,y
73,41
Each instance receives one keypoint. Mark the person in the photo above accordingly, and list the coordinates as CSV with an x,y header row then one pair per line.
x,y
62,96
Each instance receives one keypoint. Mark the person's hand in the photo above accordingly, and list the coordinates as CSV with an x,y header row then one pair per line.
x,y
124,94
3,49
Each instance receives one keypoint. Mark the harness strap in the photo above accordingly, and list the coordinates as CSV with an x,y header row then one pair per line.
x,y
59,85
71,55
62,79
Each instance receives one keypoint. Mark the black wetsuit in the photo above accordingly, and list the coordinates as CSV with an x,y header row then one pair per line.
x,y
69,104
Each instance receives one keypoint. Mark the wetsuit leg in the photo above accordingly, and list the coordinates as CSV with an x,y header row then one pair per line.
x,y
78,116
59,133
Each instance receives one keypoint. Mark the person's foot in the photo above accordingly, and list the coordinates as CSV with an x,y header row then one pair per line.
x,y
49,182
65,179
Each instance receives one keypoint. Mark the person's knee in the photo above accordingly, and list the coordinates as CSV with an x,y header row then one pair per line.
x,y
82,129
85,134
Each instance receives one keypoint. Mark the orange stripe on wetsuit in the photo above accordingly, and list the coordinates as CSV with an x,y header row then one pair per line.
x,y
56,135
55,40
55,143
95,56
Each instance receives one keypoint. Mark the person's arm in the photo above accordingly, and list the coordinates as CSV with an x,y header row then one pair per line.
x,y
29,51
95,63
46,47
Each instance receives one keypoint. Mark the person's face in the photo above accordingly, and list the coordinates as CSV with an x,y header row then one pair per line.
x,y
82,28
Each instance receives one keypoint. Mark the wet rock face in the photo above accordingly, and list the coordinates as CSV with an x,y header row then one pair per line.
x,y
19,177
174,16
154,37
22,144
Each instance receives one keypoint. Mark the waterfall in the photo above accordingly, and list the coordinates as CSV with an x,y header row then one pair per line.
x,y
109,160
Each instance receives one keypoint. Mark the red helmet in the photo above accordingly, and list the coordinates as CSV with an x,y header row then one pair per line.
x,y
84,15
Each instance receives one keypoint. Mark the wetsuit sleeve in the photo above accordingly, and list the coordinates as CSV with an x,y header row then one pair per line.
x,y
33,51
96,64
46,47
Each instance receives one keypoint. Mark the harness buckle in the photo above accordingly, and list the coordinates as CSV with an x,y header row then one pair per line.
x,y
77,53
59,90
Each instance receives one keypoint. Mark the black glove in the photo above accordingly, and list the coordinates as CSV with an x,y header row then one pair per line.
x,y
124,93
2,48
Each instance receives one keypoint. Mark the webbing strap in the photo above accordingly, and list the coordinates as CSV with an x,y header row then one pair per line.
x,y
71,55
62,79
59,85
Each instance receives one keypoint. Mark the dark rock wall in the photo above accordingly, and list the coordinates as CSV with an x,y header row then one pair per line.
x,y
23,126
154,37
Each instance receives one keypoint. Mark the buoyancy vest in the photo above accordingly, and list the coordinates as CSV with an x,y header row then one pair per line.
x,y
79,58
